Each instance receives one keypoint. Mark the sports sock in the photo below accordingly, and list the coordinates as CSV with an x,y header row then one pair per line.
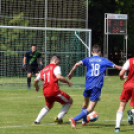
x,y
119,116
28,81
85,117
63,110
132,111
42,113
81,115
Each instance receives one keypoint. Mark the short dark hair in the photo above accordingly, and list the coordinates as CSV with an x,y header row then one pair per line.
x,y
34,45
55,57
96,49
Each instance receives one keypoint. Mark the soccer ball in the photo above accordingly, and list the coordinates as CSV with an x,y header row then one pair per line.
x,y
93,116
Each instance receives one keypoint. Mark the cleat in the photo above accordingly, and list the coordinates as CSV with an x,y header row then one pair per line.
x,y
36,123
130,117
58,121
84,122
117,130
73,123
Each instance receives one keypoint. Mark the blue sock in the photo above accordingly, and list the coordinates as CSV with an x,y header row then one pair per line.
x,y
85,117
81,115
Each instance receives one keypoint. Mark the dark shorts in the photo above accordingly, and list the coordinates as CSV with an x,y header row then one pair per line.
x,y
94,94
32,69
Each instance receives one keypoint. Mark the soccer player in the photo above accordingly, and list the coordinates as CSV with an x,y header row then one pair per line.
x,y
127,93
50,75
96,67
30,63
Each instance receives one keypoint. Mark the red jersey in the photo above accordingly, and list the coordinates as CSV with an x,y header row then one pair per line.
x,y
130,78
50,82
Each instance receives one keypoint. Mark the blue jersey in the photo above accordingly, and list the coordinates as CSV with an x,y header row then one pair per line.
x,y
32,57
96,67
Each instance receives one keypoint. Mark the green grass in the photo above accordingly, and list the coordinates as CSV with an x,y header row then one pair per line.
x,y
19,108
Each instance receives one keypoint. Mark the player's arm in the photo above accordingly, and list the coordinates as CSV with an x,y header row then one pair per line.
x,y
24,63
36,81
117,67
73,69
57,73
122,74
62,79
40,60
124,69
24,60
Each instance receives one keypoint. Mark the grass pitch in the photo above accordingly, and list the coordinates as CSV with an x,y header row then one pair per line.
x,y
19,108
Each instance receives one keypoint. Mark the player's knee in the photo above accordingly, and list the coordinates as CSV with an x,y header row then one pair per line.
x,y
29,75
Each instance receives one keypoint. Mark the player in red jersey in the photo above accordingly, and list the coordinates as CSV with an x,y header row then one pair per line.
x,y
127,92
50,76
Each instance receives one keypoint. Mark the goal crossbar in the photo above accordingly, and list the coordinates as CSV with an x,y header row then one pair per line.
x,y
46,28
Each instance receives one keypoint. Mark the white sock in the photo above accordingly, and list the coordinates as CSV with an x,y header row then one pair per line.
x,y
42,113
63,110
132,111
119,116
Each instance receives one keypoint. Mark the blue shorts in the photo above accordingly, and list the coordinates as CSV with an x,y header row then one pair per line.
x,y
94,94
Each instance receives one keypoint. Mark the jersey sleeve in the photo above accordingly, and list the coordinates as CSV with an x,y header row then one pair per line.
x,y
109,63
126,65
57,71
85,61
38,77
26,54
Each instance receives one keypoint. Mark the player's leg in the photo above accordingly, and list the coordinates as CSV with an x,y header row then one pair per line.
x,y
130,113
83,113
29,75
119,115
84,106
66,102
49,104
124,98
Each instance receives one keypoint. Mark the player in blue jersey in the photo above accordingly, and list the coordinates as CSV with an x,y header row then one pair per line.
x,y
96,67
30,63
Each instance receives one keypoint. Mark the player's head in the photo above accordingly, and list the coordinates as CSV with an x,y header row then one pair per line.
x,y
96,50
33,48
55,59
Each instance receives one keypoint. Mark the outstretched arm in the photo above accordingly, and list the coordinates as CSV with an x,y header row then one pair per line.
x,y
73,69
62,79
117,67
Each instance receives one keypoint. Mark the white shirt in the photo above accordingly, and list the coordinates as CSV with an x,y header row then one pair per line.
x,y
57,71
126,65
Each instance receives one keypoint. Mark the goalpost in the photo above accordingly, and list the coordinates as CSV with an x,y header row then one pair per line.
x,y
71,45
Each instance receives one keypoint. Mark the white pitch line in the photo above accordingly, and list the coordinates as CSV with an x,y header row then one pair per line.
x,y
50,124
30,125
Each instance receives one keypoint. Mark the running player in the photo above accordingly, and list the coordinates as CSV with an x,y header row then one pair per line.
x,y
30,63
96,67
127,93
50,76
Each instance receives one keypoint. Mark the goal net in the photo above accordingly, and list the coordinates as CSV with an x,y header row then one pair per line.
x,y
71,45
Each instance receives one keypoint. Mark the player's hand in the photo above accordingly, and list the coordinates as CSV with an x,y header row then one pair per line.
x,y
69,84
24,67
41,66
69,76
125,77
37,89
